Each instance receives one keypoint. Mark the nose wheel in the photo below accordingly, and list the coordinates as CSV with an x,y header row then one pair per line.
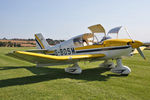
x,y
120,68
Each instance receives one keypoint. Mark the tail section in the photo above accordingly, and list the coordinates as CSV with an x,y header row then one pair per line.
x,y
41,43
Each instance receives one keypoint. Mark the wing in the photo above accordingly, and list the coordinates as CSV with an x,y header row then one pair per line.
x,y
47,59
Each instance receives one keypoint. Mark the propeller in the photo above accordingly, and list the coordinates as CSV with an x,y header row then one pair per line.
x,y
137,45
141,53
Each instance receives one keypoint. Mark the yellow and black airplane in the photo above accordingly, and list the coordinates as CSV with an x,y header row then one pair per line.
x,y
85,47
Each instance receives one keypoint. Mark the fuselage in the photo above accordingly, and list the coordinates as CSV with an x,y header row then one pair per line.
x,y
112,48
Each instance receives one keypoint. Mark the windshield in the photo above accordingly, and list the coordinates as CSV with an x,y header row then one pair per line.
x,y
78,41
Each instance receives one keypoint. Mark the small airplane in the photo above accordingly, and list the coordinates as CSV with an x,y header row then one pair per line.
x,y
84,47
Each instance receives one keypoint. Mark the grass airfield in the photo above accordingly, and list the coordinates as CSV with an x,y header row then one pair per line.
x,y
20,80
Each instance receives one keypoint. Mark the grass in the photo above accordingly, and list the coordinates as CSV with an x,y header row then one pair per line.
x,y
22,80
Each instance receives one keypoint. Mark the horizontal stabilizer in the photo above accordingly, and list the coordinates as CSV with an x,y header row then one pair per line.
x,y
38,50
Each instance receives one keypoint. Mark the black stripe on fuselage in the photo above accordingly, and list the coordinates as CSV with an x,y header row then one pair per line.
x,y
38,43
103,49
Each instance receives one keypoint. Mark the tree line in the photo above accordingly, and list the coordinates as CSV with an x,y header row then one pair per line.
x,y
9,44
15,44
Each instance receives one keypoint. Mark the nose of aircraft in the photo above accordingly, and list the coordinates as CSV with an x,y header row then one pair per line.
x,y
136,44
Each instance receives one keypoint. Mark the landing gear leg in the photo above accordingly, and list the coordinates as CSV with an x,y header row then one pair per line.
x,y
107,64
75,69
120,68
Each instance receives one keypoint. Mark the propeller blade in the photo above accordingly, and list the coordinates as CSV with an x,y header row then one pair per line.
x,y
141,53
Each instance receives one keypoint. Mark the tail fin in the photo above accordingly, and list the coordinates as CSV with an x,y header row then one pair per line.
x,y
41,43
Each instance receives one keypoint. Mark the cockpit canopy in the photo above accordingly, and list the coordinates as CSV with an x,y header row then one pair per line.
x,y
84,40
89,38
92,39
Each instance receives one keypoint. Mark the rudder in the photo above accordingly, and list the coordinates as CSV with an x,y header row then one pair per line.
x,y
41,43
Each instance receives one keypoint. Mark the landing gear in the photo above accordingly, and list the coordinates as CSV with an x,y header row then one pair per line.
x,y
120,68
107,64
75,69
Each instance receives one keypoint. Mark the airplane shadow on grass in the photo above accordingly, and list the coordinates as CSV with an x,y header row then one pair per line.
x,y
46,74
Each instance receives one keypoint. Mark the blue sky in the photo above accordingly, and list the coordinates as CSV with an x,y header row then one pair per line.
x,y
62,19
